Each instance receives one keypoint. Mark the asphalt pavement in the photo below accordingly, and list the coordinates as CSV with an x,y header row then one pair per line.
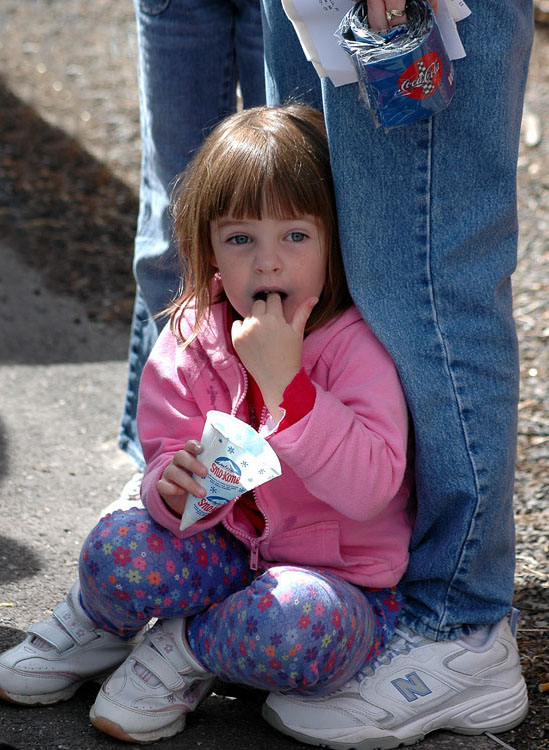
x,y
61,389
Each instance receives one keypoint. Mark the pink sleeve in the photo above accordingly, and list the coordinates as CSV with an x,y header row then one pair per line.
x,y
167,418
350,450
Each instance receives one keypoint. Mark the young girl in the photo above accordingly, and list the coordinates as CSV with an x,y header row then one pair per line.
x,y
288,588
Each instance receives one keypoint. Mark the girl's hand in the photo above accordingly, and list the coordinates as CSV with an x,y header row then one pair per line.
x,y
176,481
270,347
377,10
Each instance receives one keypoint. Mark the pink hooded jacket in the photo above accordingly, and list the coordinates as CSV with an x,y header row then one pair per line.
x,y
342,501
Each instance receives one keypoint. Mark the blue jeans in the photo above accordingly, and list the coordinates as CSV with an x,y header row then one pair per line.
x,y
191,55
428,226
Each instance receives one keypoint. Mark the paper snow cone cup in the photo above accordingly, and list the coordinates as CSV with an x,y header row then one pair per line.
x,y
238,459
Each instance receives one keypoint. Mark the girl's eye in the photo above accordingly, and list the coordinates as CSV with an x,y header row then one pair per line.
x,y
238,239
297,236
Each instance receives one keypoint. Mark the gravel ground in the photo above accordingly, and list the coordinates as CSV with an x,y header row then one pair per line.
x,y
69,168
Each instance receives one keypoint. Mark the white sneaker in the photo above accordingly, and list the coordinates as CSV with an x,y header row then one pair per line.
x,y
416,687
148,696
59,655
130,496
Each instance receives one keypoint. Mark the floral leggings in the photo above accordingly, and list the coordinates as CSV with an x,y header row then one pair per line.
x,y
296,629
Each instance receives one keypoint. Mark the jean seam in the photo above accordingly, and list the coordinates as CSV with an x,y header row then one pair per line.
x,y
440,628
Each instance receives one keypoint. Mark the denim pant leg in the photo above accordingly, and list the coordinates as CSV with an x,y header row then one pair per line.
x,y
294,629
428,227
191,54
132,569
288,75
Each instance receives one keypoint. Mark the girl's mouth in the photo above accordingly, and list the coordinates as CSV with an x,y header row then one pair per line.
x,y
263,293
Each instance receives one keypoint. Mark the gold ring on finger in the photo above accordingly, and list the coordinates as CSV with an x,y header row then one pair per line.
x,y
390,14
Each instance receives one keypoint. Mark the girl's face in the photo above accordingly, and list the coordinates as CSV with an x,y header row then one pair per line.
x,y
258,256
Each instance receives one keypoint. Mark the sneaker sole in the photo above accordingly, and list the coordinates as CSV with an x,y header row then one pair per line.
x,y
143,738
474,718
41,700
48,699
115,730
380,743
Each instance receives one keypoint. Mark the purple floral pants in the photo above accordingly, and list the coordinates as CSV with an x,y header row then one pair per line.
x,y
290,628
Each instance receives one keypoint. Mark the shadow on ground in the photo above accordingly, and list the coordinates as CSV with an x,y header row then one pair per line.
x,y
64,213
66,235
17,560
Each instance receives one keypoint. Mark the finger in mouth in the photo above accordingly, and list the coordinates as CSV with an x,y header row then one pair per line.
x,y
264,293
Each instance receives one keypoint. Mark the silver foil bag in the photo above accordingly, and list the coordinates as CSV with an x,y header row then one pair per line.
x,y
404,72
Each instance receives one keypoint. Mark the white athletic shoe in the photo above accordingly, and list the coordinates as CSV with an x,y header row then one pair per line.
x,y
130,496
59,655
416,687
148,696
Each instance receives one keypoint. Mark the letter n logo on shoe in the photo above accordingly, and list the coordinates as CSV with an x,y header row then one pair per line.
x,y
411,686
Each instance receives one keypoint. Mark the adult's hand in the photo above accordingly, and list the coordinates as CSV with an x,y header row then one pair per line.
x,y
378,10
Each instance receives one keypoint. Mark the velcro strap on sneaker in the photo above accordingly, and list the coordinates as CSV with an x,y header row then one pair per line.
x,y
78,632
161,668
52,633
181,661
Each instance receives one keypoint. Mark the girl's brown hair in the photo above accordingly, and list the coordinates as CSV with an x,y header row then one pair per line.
x,y
272,160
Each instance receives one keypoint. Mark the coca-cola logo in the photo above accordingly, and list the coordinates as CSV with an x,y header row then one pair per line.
x,y
422,78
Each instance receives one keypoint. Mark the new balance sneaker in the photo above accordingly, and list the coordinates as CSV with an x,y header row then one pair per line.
x,y
149,696
59,655
416,687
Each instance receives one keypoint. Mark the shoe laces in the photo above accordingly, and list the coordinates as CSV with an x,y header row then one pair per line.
x,y
402,642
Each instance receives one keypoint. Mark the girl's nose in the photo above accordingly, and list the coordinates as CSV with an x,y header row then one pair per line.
x,y
267,260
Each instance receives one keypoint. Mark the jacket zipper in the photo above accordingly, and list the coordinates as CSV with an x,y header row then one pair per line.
x,y
237,405
252,540
254,555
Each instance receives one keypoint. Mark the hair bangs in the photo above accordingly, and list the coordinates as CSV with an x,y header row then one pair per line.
x,y
258,176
